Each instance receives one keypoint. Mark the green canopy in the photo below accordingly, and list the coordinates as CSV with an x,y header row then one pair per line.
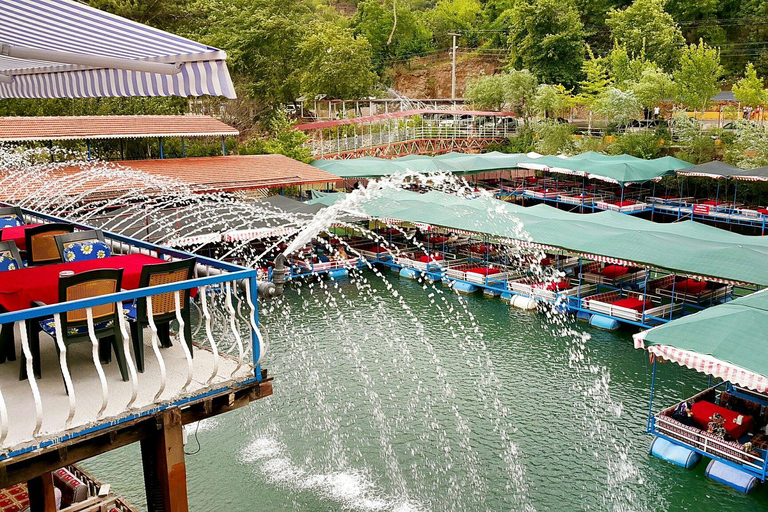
x,y
684,247
325,198
726,341
620,169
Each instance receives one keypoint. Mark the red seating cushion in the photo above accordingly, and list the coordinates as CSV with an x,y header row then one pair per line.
x,y
427,259
690,286
633,303
553,286
614,271
623,203
437,239
483,270
764,211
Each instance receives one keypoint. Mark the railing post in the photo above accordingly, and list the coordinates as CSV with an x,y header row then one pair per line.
x,y
649,427
255,336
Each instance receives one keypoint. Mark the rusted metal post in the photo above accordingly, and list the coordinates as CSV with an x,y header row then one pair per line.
x,y
41,496
165,473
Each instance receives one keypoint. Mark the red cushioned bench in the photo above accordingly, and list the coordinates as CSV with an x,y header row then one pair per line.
x,y
483,271
633,303
614,271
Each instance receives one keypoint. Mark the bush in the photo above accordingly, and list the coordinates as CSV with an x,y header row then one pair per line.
x,y
554,138
644,144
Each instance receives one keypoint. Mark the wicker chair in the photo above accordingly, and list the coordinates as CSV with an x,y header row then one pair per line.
x,y
163,305
74,324
11,216
41,246
10,259
83,245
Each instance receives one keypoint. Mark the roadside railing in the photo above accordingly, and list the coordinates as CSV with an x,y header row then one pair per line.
x,y
35,411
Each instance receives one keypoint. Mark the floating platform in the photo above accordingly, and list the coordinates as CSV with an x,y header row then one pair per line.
x,y
522,302
674,453
339,273
409,273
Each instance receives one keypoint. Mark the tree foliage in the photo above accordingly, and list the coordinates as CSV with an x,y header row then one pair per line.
x,y
547,37
551,100
512,90
619,106
645,28
698,78
750,90
335,63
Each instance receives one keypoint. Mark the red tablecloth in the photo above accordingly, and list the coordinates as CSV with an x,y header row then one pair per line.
x,y
689,286
19,288
427,259
17,235
553,286
614,271
632,303
703,411
484,271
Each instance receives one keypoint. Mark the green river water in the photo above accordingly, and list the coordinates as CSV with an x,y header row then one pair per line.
x,y
396,399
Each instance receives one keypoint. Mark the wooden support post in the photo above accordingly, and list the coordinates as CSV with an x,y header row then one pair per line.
x,y
41,496
165,474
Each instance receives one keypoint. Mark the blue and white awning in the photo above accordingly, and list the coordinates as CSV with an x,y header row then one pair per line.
x,y
64,49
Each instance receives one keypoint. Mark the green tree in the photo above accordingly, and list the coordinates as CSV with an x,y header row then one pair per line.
x,y
697,145
551,100
519,91
596,81
645,28
699,75
750,90
376,20
653,86
454,15
281,139
643,144
511,90
750,147
486,92
547,37
618,106
335,63
554,138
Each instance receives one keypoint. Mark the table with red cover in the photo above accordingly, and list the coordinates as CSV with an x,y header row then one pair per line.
x,y
703,411
633,303
19,288
483,270
614,271
17,234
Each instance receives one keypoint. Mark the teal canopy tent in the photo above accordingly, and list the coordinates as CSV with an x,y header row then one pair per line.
x,y
726,341
684,247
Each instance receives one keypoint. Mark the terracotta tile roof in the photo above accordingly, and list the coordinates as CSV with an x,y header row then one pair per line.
x,y
20,129
200,174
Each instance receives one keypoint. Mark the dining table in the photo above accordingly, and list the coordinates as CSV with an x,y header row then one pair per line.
x,y
20,288
17,234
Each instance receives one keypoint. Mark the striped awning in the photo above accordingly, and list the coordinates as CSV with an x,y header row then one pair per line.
x,y
64,49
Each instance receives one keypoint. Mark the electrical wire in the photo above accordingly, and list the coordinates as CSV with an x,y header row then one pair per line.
x,y
199,446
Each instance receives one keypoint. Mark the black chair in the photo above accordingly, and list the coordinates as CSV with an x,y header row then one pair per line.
x,y
82,245
163,305
10,260
41,246
74,324
11,216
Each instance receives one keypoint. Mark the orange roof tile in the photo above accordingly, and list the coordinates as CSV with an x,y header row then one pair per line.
x,y
200,174
20,129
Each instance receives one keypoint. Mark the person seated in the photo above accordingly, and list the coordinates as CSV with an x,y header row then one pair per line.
x,y
341,254
684,414
716,427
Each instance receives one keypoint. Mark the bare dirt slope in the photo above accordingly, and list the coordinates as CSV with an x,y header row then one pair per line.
x,y
430,77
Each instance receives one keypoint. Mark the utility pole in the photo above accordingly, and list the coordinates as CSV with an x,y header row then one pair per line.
x,y
453,64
